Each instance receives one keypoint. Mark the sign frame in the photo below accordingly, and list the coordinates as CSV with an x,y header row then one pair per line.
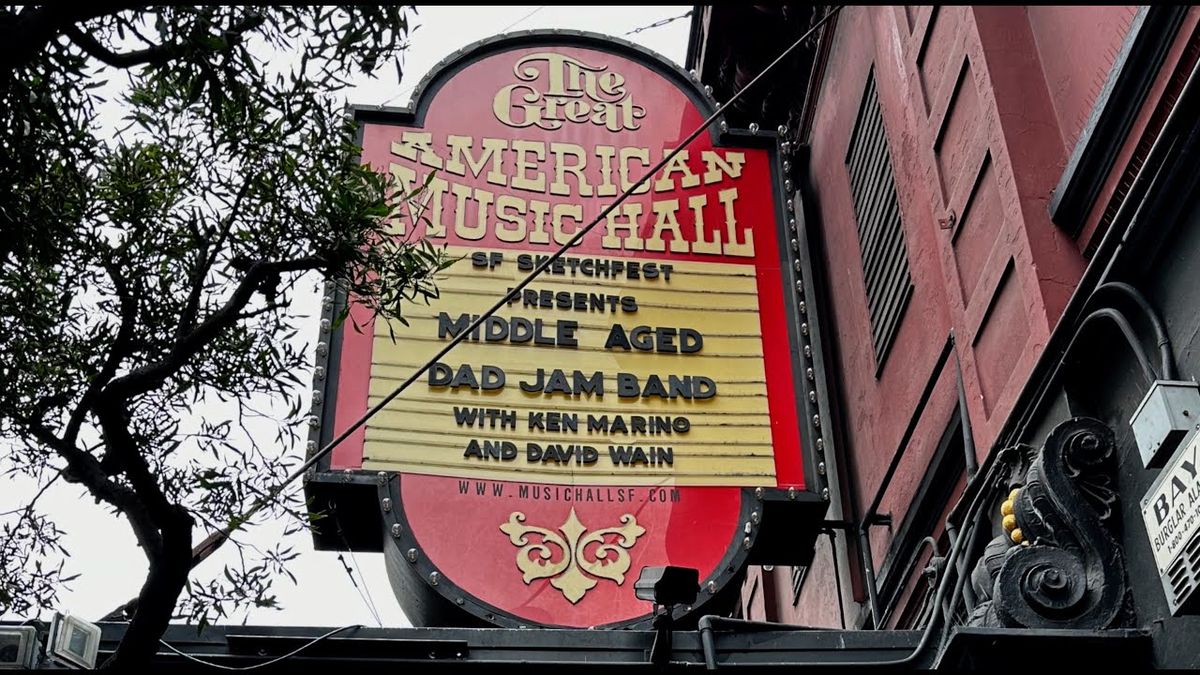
x,y
780,524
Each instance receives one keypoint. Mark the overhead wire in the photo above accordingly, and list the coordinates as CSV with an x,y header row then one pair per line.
x,y
294,652
364,588
409,90
660,22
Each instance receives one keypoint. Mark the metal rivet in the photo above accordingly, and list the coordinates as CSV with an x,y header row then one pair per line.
x,y
786,147
712,587
782,130
411,555
808,372
821,468
792,223
311,446
748,528
434,578
803,307
754,517
791,206
795,245
397,530
820,445
787,185
327,301
807,352
387,504
817,421
799,282
804,328
825,493
746,543
459,601
787,166
325,325
322,348
314,421
708,89
319,372
692,72
812,396
317,398
758,493
724,126
792,493
381,478
754,127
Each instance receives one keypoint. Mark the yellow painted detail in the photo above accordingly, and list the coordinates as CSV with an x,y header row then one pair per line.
x,y
1009,522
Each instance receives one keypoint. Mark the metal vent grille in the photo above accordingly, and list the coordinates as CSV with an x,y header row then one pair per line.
x,y
880,233
1183,575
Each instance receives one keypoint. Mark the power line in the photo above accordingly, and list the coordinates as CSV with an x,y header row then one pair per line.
x,y
661,22
367,599
408,90
535,11
215,540
275,660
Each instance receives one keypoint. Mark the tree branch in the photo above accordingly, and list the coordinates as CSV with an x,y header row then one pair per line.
x,y
120,444
154,374
118,351
34,27
84,468
156,55
188,318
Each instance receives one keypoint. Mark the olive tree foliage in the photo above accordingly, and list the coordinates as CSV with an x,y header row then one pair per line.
x,y
148,275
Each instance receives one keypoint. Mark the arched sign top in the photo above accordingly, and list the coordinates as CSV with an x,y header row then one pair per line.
x,y
637,404
449,67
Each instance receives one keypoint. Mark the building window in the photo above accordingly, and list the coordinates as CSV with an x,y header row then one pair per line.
x,y
880,232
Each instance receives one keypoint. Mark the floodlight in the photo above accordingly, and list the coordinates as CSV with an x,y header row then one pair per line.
x,y
18,647
73,641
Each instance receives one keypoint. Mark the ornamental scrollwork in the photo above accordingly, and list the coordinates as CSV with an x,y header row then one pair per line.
x,y
1057,565
573,559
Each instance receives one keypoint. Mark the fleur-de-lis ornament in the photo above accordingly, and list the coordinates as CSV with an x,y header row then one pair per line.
x,y
579,565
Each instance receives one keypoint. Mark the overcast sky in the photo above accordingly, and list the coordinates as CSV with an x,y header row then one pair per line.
x,y
104,552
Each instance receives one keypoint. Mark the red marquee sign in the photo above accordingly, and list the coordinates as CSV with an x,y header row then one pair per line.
x,y
637,405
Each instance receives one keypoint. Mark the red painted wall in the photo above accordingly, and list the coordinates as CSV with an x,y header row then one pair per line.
x,y
1077,47
982,106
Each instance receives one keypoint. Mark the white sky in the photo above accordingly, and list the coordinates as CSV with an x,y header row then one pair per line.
x,y
104,552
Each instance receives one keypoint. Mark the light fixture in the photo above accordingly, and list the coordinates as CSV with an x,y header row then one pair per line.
x,y
666,587
73,642
18,647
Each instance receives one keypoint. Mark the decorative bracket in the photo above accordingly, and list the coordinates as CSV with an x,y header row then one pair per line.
x,y
1058,566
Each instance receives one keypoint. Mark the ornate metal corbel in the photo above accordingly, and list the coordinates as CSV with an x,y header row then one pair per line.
x,y
1058,565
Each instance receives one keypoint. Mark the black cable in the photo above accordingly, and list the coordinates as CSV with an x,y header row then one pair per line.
x,y
1162,340
264,664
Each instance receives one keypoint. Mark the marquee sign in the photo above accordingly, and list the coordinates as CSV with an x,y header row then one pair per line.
x,y
637,403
